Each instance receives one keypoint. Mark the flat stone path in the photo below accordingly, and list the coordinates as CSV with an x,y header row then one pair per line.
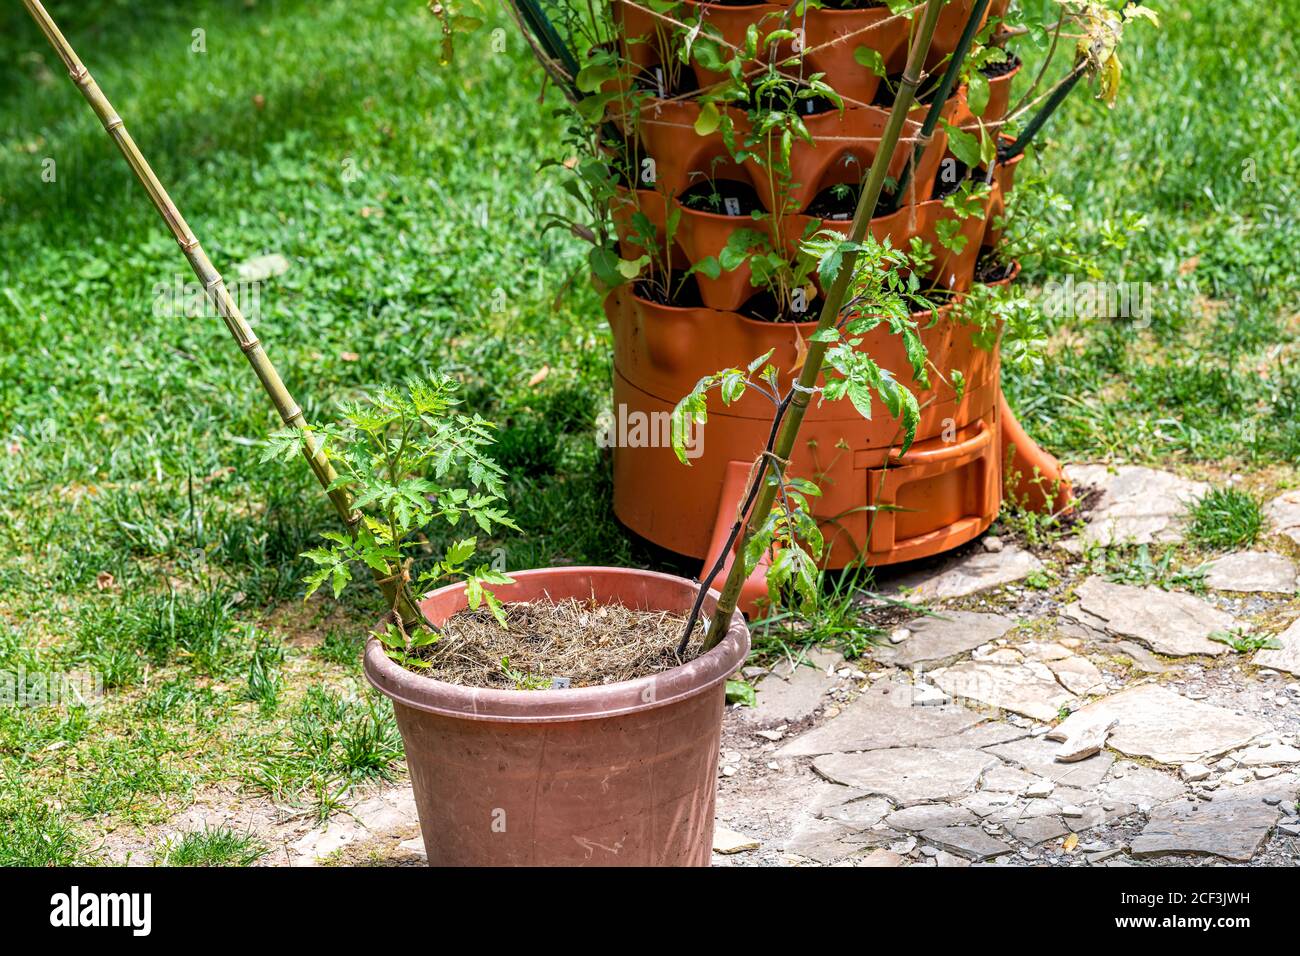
x,y
1091,722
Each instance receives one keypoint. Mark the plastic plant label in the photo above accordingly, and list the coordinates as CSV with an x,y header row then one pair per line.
x,y
560,683
732,205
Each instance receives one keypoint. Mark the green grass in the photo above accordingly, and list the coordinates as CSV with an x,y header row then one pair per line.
x,y
1225,518
214,846
141,538
1204,147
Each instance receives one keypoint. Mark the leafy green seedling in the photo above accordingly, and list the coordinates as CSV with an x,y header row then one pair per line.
x,y
411,461
1244,643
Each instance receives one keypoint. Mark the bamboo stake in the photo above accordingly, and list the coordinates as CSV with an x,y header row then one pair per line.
x,y
391,582
804,388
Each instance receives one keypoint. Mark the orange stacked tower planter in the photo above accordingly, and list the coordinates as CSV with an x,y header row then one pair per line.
x,y
879,505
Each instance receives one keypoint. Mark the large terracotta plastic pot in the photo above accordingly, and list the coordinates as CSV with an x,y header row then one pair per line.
x,y
1031,474
947,32
619,775
832,36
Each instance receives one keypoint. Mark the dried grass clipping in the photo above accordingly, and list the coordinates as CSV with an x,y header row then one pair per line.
x,y
589,642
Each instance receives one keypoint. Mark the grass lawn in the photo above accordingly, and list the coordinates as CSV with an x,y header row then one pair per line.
x,y
143,540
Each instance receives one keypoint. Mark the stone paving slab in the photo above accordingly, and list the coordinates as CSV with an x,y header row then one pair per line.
x,y
1232,825
970,842
1078,675
1143,786
1167,727
1283,514
1285,658
934,641
793,692
939,640
1168,622
1252,572
1038,756
930,816
1136,505
383,813
907,775
966,574
884,716
1029,689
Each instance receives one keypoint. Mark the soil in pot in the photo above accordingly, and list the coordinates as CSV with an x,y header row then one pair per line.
x,y
569,643
990,268
763,307
852,4
686,293
950,178
1001,67
655,80
838,203
931,300
722,197
782,95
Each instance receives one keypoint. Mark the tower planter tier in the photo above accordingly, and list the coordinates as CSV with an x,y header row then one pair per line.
x,y
876,505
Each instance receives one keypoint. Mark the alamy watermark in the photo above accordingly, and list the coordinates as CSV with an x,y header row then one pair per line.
x,y
23,688
633,428
75,908
182,299
1090,299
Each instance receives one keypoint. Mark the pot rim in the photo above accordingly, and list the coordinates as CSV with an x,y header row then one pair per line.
x,y
556,706
1004,77
1009,278
746,320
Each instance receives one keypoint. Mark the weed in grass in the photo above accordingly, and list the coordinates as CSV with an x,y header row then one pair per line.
x,y
34,833
342,647
1225,518
160,628
127,774
180,699
264,682
529,446
836,620
334,742
214,846
117,666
